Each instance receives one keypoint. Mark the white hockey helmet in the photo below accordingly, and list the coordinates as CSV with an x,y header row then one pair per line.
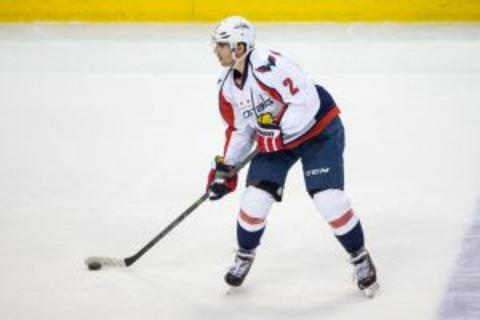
x,y
234,30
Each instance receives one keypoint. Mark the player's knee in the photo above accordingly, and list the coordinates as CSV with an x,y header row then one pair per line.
x,y
274,189
254,208
335,207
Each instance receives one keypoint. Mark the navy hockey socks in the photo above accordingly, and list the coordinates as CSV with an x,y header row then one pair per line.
x,y
248,240
353,240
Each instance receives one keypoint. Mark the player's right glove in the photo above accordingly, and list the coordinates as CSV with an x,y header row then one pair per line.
x,y
219,184
268,134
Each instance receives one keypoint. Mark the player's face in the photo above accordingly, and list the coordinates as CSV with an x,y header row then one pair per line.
x,y
224,54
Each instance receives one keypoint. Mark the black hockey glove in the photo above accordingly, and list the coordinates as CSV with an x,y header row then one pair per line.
x,y
219,184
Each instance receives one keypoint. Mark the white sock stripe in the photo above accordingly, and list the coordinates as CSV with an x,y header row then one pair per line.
x,y
251,227
254,208
249,219
335,207
256,202
346,227
332,204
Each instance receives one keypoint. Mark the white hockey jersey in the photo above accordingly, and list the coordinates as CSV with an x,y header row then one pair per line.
x,y
271,84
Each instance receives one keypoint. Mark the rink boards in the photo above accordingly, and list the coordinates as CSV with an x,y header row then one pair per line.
x,y
212,10
106,135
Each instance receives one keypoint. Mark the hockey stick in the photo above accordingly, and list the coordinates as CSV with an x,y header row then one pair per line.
x,y
97,262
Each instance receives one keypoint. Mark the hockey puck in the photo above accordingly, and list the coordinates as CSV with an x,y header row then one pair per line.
x,y
94,266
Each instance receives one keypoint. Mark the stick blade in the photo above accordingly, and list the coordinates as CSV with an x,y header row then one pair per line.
x,y
105,262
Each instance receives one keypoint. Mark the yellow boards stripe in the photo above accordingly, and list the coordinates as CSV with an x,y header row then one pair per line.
x,y
257,10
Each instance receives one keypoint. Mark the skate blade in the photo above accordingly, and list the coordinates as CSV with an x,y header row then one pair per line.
x,y
232,290
371,291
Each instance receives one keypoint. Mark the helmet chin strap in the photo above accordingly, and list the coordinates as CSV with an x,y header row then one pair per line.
x,y
239,59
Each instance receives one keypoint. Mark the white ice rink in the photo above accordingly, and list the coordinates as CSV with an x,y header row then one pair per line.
x,y
107,133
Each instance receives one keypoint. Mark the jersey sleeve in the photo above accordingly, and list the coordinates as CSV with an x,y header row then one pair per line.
x,y
287,84
239,136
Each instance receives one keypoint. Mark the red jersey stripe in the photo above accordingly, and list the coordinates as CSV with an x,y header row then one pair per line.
x,y
316,129
226,110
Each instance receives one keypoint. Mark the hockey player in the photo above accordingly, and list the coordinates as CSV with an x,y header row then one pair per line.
x,y
265,98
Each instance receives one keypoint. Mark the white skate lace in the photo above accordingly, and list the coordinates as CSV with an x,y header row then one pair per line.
x,y
242,263
361,269
239,268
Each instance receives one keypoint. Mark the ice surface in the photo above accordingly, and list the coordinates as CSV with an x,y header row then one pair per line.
x,y
107,133
461,300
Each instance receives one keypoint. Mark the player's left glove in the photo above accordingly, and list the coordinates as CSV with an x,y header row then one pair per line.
x,y
219,184
269,138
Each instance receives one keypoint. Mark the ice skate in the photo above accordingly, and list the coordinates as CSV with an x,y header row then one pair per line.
x,y
239,270
365,274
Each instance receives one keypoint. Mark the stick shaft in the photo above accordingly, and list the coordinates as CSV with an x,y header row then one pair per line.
x,y
131,260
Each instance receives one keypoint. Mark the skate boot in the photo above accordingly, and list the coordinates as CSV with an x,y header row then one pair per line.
x,y
239,270
365,274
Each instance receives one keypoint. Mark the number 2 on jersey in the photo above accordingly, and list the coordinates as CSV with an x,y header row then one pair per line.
x,y
289,83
